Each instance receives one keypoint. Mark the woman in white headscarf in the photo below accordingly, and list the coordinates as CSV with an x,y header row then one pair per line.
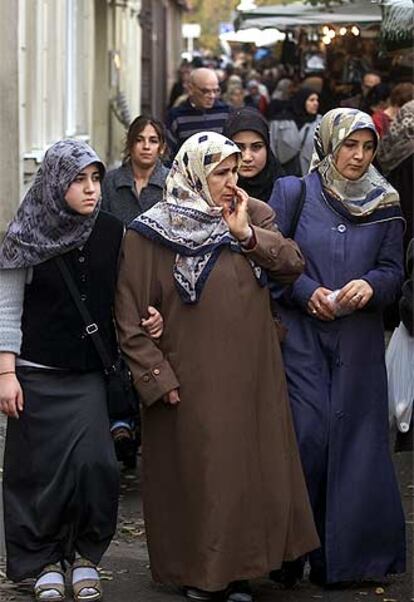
x,y
350,231
224,495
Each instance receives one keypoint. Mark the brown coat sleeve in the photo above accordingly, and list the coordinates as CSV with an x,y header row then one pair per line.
x,y
136,289
280,256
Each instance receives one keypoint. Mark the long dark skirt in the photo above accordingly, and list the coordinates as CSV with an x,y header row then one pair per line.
x,y
61,477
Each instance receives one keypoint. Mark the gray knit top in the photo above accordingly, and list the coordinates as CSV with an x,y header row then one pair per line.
x,y
12,284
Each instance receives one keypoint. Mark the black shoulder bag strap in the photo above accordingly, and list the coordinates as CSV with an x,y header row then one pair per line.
x,y
298,210
91,327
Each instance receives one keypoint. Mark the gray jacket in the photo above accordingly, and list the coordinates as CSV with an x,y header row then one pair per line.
x,y
119,195
287,141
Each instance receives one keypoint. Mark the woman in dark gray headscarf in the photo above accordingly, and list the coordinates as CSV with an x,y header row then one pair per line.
x,y
60,471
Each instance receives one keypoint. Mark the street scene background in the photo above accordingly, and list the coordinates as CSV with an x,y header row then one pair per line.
x,y
125,567
86,68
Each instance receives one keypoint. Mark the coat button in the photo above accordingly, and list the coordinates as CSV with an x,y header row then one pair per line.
x,y
81,259
83,297
341,228
146,378
156,371
339,414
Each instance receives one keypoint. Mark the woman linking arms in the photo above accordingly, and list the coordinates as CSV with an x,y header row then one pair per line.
x,y
224,495
60,471
127,191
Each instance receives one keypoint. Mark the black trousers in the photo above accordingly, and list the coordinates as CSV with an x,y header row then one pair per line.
x,y
61,479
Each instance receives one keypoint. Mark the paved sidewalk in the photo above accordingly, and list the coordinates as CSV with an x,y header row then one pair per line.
x,y
127,578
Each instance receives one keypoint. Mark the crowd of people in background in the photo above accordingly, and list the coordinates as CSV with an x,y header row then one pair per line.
x,y
203,97
259,444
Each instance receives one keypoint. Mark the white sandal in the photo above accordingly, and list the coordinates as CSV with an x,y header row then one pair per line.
x,y
93,584
55,589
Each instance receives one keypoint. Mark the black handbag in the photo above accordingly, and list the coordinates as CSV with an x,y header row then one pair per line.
x,y
122,398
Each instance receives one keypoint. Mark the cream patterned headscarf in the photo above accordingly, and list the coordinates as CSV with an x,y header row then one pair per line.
x,y
360,197
187,220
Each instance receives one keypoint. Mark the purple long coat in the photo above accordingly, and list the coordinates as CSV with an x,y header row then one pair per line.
x,y
338,387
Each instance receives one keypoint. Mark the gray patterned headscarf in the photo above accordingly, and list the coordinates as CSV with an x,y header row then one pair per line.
x,y
44,225
360,197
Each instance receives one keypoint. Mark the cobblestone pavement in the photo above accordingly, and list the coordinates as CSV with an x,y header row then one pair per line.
x,y
125,566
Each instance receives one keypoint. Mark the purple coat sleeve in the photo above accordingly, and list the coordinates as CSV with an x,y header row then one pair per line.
x,y
387,276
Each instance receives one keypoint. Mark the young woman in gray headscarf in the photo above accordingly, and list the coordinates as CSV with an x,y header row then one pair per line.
x,y
60,472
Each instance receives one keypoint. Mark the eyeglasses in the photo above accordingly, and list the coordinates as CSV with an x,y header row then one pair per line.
x,y
208,91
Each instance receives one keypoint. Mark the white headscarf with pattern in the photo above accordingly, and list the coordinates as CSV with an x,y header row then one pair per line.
x,y
187,220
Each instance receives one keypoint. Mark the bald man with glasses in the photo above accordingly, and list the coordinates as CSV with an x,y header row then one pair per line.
x,y
202,111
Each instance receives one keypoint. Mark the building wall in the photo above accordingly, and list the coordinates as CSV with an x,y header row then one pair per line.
x,y
56,62
125,73
175,44
10,165
64,65
162,43
80,68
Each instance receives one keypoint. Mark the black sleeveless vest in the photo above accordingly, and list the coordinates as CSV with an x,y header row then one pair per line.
x,y
53,331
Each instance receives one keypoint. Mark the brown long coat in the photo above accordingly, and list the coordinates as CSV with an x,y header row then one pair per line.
x,y
224,494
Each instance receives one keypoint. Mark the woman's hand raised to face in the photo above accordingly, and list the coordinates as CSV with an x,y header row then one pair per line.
x,y
236,215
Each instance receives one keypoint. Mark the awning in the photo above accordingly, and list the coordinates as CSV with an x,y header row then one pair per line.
x,y
256,36
361,12
397,29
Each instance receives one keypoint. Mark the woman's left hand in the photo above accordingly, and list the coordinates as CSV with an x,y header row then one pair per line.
x,y
236,216
354,295
154,324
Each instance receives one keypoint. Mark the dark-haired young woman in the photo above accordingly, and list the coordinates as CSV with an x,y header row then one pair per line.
x,y
138,183
127,191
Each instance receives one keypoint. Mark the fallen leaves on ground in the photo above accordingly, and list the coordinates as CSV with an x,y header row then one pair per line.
x,y
131,528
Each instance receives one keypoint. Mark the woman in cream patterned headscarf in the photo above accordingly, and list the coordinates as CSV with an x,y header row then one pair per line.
x,y
189,221
350,231
218,442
